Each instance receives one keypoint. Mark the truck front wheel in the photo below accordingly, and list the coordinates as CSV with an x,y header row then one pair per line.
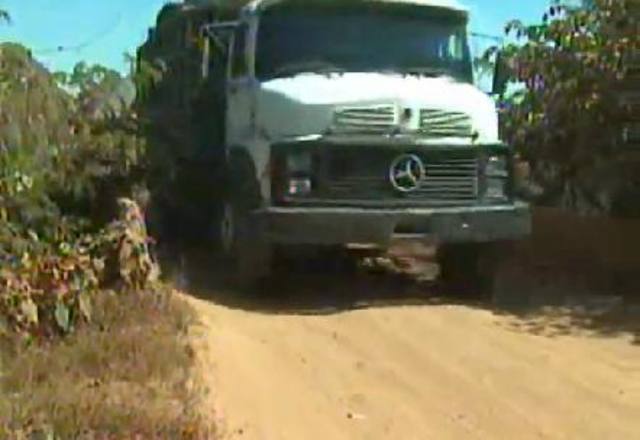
x,y
244,247
225,229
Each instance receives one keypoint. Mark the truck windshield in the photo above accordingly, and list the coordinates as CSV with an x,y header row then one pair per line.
x,y
291,42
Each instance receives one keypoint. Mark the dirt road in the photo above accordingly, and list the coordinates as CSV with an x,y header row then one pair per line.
x,y
379,359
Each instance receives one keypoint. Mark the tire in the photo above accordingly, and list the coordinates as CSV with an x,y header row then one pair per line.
x,y
254,256
242,244
470,269
217,235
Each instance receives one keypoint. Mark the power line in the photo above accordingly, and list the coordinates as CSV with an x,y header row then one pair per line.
x,y
80,46
495,38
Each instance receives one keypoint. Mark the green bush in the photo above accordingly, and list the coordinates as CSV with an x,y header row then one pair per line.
x,y
567,119
63,168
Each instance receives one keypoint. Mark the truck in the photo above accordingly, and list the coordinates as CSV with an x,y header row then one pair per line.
x,y
323,124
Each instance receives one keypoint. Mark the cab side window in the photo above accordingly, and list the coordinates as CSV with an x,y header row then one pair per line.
x,y
239,66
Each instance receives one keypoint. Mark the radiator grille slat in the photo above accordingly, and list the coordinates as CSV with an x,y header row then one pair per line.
x,y
366,119
440,123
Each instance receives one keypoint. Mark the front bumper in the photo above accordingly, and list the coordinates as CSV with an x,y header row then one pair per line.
x,y
362,226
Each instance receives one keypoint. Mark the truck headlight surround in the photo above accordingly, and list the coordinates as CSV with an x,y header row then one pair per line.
x,y
497,166
495,189
299,170
299,162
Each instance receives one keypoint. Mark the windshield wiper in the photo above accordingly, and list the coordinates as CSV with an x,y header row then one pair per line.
x,y
425,71
313,66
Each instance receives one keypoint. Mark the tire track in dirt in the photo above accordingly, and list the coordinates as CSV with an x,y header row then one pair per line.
x,y
395,364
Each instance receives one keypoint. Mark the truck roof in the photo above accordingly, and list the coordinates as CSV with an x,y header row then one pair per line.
x,y
250,7
257,5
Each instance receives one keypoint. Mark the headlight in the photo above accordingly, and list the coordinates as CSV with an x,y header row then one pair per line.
x,y
299,186
497,166
496,188
299,173
299,163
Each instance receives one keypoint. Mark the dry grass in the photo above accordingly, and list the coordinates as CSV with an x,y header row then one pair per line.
x,y
126,376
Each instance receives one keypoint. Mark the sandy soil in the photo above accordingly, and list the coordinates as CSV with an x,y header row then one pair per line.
x,y
383,359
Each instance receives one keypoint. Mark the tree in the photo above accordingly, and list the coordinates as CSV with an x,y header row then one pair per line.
x,y
101,92
566,119
4,16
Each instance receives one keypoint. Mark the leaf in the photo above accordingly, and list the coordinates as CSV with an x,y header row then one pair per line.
x,y
29,310
4,326
99,264
63,317
33,235
84,305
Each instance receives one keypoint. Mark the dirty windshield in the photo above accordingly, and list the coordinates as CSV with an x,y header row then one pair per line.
x,y
376,41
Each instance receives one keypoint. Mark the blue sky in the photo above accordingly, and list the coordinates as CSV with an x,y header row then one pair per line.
x,y
100,31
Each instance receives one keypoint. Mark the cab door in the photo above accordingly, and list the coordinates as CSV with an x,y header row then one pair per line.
x,y
241,88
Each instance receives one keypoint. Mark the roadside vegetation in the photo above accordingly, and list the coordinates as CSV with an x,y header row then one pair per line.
x,y
578,68
92,345
126,375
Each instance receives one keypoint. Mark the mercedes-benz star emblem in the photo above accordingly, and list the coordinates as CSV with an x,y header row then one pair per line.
x,y
407,173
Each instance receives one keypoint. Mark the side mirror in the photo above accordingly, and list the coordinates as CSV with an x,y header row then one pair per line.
x,y
500,76
206,57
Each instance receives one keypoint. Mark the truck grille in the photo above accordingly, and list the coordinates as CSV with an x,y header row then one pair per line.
x,y
440,123
365,119
365,176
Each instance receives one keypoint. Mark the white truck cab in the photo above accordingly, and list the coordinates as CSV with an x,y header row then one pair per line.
x,y
389,69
